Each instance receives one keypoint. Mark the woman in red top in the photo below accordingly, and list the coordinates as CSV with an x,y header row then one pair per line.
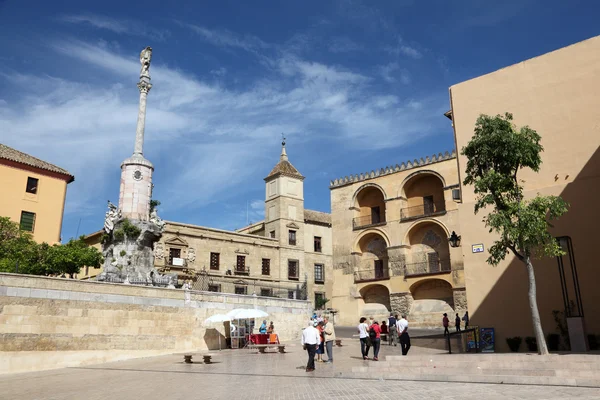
x,y
375,335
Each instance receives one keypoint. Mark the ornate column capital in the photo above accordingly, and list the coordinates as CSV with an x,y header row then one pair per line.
x,y
144,86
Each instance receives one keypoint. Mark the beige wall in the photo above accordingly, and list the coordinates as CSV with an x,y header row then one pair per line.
x,y
48,319
355,248
557,95
47,203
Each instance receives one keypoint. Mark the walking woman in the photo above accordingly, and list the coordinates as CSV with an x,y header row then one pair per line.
x,y
321,348
375,335
363,330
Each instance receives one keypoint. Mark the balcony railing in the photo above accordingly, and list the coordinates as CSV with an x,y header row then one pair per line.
x,y
241,271
423,210
371,275
427,268
367,220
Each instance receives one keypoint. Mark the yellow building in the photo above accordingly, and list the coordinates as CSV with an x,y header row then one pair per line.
x,y
33,193
557,94
391,250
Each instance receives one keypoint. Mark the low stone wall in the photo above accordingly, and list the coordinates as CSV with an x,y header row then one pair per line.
x,y
50,323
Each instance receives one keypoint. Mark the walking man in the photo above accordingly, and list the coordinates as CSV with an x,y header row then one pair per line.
x,y
402,326
457,323
310,341
329,331
446,322
392,327
466,319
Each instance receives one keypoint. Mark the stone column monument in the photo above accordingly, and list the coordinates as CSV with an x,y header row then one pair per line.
x,y
136,171
132,228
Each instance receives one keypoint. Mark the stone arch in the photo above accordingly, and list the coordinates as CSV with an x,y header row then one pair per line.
x,y
431,299
429,249
365,186
368,232
423,195
421,221
376,298
369,206
420,173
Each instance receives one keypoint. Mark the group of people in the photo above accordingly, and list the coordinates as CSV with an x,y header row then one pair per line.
x,y
317,337
266,329
370,335
446,322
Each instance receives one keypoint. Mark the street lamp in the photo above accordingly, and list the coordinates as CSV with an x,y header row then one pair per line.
x,y
454,240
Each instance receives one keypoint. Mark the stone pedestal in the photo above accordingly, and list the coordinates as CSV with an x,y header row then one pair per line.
x,y
136,188
131,259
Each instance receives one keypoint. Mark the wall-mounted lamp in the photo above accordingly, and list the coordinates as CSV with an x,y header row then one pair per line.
x,y
454,240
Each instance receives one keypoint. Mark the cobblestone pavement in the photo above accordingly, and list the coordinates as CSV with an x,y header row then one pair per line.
x,y
247,375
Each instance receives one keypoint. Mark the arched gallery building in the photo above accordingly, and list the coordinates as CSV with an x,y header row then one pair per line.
x,y
392,250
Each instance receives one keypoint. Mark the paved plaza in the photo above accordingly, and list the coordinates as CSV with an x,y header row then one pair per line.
x,y
248,375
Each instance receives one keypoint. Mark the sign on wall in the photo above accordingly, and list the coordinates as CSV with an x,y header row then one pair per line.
x,y
477,248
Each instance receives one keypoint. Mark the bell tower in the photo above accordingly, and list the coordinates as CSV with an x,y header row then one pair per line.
x,y
284,214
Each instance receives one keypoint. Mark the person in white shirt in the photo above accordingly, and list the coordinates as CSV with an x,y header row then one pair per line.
x,y
310,341
363,330
402,327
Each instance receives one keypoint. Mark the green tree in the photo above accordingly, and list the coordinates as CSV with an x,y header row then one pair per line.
x,y
496,153
70,257
16,247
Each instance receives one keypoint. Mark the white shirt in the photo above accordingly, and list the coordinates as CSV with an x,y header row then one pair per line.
x,y
401,325
311,335
363,329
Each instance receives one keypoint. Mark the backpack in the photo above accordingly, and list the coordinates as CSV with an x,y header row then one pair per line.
x,y
372,334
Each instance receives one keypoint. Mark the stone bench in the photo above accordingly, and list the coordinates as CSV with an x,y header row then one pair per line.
x,y
187,358
262,347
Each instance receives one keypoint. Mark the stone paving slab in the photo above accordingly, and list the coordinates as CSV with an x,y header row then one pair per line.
x,y
249,375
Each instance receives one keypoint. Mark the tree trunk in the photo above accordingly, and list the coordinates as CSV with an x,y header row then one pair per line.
x,y
535,314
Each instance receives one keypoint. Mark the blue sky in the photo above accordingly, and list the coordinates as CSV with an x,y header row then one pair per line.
x,y
353,85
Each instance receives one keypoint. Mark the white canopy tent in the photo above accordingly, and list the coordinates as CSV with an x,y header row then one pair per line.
x,y
216,319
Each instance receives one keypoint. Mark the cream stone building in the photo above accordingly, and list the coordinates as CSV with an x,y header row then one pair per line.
x,y
391,250
33,193
288,254
557,95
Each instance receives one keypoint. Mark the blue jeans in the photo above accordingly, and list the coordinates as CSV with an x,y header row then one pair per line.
x,y
376,345
364,347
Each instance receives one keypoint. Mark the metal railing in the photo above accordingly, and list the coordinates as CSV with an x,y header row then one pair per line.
x,y
241,271
422,211
371,275
427,267
227,284
367,220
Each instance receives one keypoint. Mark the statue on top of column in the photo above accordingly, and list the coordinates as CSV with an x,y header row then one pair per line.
x,y
145,57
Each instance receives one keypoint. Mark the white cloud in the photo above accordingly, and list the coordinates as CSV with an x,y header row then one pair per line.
x,y
225,38
202,138
401,48
120,26
410,51
343,44
219,71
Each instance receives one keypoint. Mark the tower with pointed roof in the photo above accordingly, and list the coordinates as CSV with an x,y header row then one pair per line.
x,y
284,213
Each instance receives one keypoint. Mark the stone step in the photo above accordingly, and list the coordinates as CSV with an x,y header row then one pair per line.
x,y
475,370
499,357
498,379
407,362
